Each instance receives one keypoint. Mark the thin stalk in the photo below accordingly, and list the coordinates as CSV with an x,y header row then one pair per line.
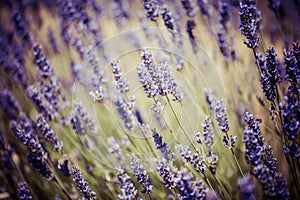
x,y
258,68
234,156
219,183
167,126
57,180
147,141
208,182
236,161
177,119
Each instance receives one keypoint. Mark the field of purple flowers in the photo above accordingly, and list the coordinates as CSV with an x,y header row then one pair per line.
x,y
150,99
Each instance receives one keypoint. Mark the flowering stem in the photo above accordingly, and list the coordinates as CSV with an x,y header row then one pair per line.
x,y
57,180
177,119
147,141
234,156
258,68
221,185
208,182
167,126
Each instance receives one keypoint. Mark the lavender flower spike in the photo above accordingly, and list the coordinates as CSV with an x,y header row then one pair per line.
x,y
82,184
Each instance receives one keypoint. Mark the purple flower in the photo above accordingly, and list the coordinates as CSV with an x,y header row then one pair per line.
x,y
9,104
49,134
128,190
167,18
249,22
21,26
261,158
156,78
81,121
141,175
63,166
223,44
224,14
162,146
23,191
188,6
119,12
152,8
246,187
126,111
290,110
188,187
270,76
208,133
192,158
115,150
52,41
189,29
82,184
292,67
221,116
203,7
44,68
24,130
166,171
122,83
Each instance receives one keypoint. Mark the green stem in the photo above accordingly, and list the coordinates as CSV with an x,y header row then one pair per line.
x,y
177,119
57,180
234,156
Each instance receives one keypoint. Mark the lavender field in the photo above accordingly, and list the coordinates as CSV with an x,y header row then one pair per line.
x,y
150,99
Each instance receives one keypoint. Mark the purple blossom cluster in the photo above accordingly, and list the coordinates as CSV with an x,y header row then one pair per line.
x,y
48,96
63,166
166,15
122,83
250,22
49,134
167,171
193,158
270,76
115,150
128,190
126,111
260,157
82,184
82,122
189,8
246,187
9,104
152,8
158,108
188,187
12,60
292,67
207,137
23,191
141,175
190,25
120,12
21,25
291,126
38,157
156,78
6,151
167,153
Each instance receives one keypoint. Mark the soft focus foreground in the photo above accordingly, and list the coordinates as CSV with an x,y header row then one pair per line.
x,y
153,99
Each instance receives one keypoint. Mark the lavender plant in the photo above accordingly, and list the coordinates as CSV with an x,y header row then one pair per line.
x,y
115,87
